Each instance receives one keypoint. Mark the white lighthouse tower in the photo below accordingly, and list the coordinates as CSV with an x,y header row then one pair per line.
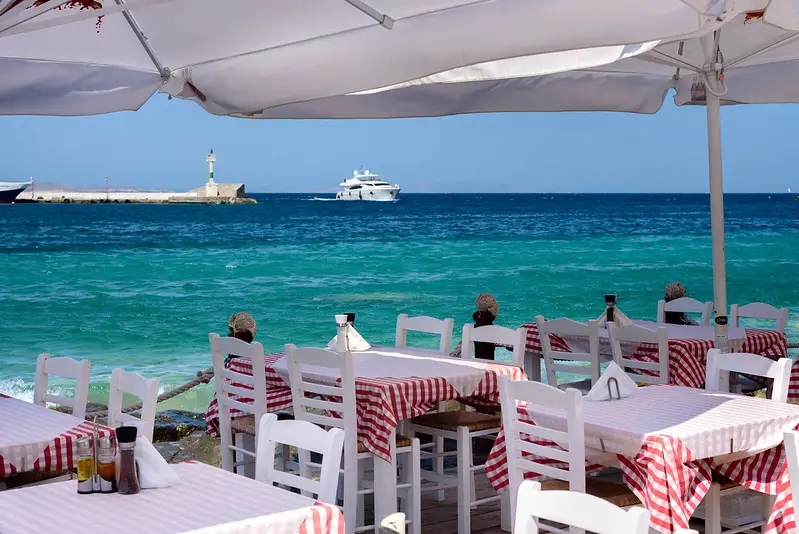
x,y
211,189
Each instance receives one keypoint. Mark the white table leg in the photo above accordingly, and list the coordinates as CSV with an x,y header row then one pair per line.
x,y
532,365
505,522
386,484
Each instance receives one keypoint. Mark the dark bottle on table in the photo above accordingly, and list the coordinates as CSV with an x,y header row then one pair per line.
x,y
610,303
128,483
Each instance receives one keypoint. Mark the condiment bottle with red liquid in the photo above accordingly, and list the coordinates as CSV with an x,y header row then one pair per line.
x,y
106,465
128,477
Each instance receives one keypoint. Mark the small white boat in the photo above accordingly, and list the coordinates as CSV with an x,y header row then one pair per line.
x,y
365,185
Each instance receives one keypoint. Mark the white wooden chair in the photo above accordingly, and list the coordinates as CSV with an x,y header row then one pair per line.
x,y
792,457
239,435
578,510
313,373
760,310
624,341
556,361
565,466
79,371
462,426
429,325
719,367
686,305
307,437
138,386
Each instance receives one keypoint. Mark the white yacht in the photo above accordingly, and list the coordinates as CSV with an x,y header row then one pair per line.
x,y
365,185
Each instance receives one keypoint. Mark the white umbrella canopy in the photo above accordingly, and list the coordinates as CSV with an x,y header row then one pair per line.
x,y
236,57
753,58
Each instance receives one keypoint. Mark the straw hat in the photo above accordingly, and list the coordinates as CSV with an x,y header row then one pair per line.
x,y
242,322
674,291
487,303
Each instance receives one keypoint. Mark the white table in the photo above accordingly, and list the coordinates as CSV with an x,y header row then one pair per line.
x,y
710,424
203,497
27,429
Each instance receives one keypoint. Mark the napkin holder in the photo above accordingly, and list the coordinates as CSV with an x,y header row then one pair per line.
x,y
612,380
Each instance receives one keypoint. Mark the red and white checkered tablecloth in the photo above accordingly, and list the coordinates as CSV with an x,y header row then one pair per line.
x,y
665,474
42,455
384,401
688,357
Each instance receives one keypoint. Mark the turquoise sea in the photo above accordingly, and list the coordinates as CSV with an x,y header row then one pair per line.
x,y
140,286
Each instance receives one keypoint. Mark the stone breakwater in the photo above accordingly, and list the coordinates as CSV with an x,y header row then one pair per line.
x,y
211,193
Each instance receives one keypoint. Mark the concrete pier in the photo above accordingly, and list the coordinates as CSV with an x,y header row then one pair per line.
x,y
207,194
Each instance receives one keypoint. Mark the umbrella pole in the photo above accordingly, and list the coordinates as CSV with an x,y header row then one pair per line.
x,y
717,219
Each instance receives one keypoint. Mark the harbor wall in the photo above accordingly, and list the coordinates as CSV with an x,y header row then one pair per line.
x,y
211,193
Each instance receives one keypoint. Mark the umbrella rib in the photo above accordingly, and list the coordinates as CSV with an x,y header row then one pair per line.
x,y
771,46
656,56
134,26
382,19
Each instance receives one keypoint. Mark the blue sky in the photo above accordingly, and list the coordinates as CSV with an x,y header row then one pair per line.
x,y
164,146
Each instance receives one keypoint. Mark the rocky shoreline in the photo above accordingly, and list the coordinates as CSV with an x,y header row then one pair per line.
x,y
180,436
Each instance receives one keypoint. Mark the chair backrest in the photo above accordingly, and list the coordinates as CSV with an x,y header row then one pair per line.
x,y
79,371
555,361
575,509
719,366
524,440
494,334
760,310
626,341
237,391
792,457
307,437
685,305
429,325
323,391
138,386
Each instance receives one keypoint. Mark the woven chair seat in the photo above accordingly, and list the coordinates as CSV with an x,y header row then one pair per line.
x,y
246,424
402,441
450,421
615,493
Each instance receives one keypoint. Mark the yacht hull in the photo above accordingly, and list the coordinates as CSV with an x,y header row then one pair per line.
x,y
10,190
369,194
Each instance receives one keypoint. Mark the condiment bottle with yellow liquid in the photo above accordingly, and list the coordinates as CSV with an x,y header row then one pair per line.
x,y
85,465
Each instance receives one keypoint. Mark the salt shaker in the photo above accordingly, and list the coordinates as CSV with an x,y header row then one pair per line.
x,y
128,478
341,333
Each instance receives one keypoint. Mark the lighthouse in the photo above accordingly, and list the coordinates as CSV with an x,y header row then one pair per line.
x,y
211,189
211,159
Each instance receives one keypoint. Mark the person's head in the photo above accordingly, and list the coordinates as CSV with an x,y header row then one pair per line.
x,y
674,291
242,326
487,308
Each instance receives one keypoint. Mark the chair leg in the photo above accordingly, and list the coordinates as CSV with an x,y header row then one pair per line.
x,y
360,518
768,506
713,510
415,478
439,464
464,481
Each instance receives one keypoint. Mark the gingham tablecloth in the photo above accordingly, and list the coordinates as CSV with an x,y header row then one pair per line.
x,y
204,500
34,438
391,385
688,357
666,439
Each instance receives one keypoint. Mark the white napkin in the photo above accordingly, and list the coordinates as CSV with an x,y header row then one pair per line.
x,y
600,390
354,341
619,319
154,472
